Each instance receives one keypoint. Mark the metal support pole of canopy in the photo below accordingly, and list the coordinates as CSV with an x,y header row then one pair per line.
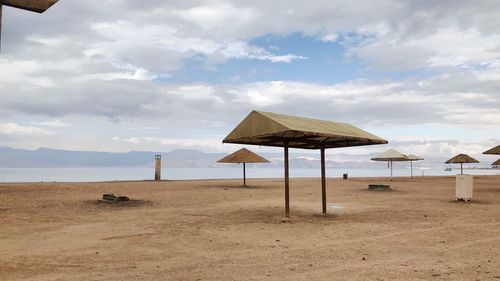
x,y
391,170
411,169
244,175
323,180
287,183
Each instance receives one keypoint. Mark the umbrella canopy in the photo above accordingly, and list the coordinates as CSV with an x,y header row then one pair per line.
x,y
243,156
413,157
391,155
461,158
272,129
38,6
496,163
494,150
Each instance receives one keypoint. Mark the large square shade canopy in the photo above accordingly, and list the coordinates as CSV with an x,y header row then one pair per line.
x,y
272,129
278,130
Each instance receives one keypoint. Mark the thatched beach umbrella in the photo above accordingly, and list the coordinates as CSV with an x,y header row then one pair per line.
x,y
390,156
243,156
278,130
412,158
494,150
38,6
461,158
496,163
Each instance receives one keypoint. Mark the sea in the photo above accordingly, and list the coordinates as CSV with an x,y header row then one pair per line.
x,y
147,173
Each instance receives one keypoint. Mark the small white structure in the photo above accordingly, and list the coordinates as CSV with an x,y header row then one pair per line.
x,y
464,186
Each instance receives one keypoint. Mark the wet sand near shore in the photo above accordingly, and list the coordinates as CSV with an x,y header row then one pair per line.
x,y
217,230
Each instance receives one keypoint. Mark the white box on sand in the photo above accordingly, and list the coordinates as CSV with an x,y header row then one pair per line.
x,y
463,189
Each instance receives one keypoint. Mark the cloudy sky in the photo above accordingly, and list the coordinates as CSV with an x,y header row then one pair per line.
x,y
122,75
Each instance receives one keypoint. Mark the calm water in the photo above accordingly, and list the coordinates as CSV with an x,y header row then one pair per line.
x,y
110,174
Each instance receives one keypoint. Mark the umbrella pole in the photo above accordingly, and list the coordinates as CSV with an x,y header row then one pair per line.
x,y
411,168
244,175
391,170
1,23
461,169
323,179
287,183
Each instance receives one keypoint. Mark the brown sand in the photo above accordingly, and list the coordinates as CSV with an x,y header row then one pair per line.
x,y
214,230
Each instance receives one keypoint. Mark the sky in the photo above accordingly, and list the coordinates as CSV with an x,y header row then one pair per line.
x,y
122,75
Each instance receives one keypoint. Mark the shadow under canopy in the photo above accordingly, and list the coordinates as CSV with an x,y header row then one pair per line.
x,y
243,156
278,130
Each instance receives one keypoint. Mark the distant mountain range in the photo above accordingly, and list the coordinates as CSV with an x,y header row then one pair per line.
x,y
53,158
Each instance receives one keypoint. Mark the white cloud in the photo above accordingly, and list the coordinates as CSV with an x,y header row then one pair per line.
x,y
16,129
444,47
332,37
52,123
217,14
120,46
308,158
131,140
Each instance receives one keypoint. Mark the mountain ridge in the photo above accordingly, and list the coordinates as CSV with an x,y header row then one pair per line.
x,y
179,158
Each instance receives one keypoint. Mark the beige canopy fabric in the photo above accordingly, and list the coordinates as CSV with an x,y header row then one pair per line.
x,y
496,163
38,6
243,156
461,158
413,157
391,155
494,150
272,129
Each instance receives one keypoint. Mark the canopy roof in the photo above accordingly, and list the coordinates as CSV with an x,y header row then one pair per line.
x,y
496,163
413,157
494,150
391,155
272,129
462,158
38,6
243,156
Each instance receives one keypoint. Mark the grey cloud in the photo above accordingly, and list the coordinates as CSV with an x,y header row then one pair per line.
x,y
390,35
373,103
399,30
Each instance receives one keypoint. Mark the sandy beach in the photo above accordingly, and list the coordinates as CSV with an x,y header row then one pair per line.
x,y
215,230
